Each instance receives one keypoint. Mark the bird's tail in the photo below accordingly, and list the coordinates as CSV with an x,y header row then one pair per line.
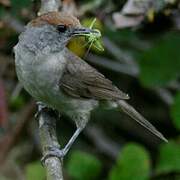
x,y
128,109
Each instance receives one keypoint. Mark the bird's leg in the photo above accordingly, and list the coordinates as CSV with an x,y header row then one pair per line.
x,y
81,122
71,141
60,153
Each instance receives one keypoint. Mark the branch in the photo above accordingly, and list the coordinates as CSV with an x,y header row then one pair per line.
x,y
48,138
120,54
102,142
111,65
165,95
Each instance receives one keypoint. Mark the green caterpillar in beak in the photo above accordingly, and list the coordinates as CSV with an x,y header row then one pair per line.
x,y
94,38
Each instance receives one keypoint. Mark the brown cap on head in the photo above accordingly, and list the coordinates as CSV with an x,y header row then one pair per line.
x,y
56,18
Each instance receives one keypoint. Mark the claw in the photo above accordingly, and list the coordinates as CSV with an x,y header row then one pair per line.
x,y
53,152
41,106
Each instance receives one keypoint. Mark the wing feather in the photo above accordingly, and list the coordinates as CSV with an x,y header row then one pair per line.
x,y
80,80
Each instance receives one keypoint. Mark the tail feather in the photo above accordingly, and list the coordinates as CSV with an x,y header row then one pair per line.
x,y
128,109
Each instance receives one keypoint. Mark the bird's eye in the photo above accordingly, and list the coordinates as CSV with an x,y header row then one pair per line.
x,y
61,28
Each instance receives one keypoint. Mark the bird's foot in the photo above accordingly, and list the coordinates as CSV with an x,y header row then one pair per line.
x,y
53,152
41,106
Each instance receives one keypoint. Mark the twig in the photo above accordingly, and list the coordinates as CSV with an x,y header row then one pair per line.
x,y
119,54
17,90
48,138
165,95
112,65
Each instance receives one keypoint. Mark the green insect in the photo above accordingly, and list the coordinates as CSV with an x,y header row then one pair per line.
x,y
93,39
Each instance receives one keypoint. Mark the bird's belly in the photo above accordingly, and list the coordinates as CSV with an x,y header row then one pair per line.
x,y
41,79
51,95
69,105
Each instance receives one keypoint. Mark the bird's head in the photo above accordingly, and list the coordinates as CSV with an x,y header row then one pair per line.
x,y
52,31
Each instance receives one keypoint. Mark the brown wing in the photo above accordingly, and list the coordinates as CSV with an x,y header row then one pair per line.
x,y
80,80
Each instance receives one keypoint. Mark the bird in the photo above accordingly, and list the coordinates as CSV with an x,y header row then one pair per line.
x,y
56,77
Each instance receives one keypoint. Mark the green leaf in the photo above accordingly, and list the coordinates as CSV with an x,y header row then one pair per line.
x,y
17,5
35,171
21,4
169,158
175,111
161,63
83,166
133,164
17,102
121,36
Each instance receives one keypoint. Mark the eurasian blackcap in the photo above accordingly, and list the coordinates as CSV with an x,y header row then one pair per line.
x,y
59,79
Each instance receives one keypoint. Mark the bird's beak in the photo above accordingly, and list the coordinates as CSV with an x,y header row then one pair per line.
x,y
83,31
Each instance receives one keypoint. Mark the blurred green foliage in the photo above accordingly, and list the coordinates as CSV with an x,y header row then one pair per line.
x,y
35,171
175,111
16,7
83,166
17,102
161,63
133,163
169,158
19,4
